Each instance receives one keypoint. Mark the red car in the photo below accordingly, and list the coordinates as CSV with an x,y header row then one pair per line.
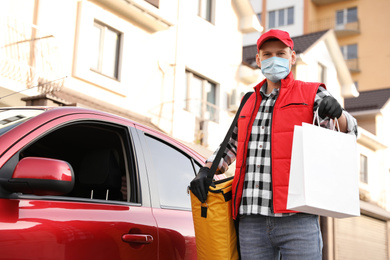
x,y
83,184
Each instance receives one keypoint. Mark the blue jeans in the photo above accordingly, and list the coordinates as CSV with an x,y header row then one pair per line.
x,y
287,238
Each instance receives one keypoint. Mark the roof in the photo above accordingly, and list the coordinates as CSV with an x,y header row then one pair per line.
x,y
301,44
368,100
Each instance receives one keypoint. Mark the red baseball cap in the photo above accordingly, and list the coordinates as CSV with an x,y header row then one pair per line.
x,y
283,36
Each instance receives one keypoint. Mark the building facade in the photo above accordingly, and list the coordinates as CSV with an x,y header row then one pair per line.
x,y
169,64
358,26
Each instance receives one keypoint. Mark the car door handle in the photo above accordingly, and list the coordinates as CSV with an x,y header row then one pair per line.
x,y
137,238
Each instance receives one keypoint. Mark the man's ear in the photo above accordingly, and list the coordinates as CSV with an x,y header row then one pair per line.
x,y
293,57
258,62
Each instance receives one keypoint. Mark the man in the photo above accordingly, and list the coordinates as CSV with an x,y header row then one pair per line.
x,y
261,145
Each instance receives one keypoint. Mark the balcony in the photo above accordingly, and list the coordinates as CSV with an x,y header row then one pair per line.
x,y
325,2
341,30
347,29
353,65
30,57
145,13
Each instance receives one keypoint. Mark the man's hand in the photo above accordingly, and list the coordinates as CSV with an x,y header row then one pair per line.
x,y
329,107
199,185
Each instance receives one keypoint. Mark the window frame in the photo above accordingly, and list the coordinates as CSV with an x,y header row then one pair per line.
x,y
153,174
345,14
210,10
346,51
204,103
363,169
87,14
275,20
129,162
102,51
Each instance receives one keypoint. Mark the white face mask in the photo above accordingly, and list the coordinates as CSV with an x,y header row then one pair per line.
x,y
275,68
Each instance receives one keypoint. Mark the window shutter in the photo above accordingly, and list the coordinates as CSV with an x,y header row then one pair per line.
x,y
360,238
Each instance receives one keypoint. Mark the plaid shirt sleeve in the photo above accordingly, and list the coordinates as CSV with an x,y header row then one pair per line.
x,y
229,156
326,122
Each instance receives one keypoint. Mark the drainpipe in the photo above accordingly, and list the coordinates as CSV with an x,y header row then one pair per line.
x,y
175,67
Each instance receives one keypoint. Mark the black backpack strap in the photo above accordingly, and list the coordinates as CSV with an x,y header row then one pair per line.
x,y
222,148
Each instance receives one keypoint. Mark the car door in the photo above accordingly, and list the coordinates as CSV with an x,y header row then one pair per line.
x,y
171,167
85,224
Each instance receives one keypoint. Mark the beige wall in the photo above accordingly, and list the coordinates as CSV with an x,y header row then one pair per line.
x,y
368,124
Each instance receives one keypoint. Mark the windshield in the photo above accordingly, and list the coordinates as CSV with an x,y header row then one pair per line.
x,y
10,118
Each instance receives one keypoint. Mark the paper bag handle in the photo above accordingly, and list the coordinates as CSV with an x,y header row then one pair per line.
x,y
335,121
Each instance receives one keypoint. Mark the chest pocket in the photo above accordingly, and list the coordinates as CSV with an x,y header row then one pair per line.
x,y
296,113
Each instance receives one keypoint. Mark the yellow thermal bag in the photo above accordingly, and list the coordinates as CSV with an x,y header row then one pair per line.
x,y
215,231
214,226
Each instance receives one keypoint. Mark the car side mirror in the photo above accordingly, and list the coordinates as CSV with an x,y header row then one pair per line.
x,y
41,176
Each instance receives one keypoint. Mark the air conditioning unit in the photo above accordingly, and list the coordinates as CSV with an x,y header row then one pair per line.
x,y
234,100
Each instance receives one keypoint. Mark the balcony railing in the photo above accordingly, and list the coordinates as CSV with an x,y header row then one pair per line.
x,y
29,56
353,65
341,30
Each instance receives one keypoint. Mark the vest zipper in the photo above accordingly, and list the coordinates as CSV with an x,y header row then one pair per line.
x,y
270,149
238,182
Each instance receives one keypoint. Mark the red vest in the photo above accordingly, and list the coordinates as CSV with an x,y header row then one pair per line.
x,y
293,106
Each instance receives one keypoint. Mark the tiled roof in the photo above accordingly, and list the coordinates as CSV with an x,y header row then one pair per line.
x,y
368,100
301,44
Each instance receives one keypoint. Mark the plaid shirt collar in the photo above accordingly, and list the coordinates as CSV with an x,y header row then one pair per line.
x,y
263,91
286,82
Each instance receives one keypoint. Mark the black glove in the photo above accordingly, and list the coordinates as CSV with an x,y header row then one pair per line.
x,y
200,184
329,107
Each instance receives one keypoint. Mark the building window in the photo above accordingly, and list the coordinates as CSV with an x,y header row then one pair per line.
x,y
206,10
105,45
271,19
346,16
363,169
350,53
290,15
201,97
281,17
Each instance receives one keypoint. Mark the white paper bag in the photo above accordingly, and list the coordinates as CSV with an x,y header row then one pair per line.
x,y
323,173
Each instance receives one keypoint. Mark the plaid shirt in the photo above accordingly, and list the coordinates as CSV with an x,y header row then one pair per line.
x,y
257,193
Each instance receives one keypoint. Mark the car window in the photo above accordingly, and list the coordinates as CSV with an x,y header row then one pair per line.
x,y
99,155
175,170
